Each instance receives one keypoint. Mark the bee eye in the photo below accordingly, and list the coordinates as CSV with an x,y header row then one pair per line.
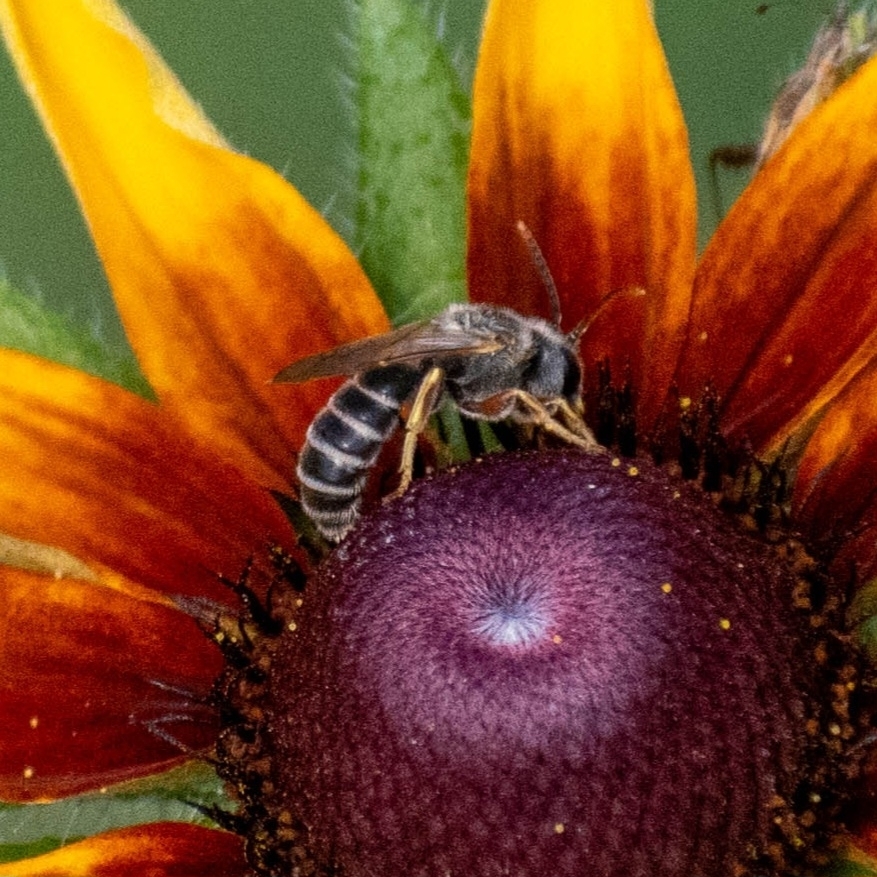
x,y
547,374
572,380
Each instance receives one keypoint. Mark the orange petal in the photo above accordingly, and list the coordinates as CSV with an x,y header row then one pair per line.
x,y
90,678
835,498
866,837
577,131
99,472
784,313
162,849
221,271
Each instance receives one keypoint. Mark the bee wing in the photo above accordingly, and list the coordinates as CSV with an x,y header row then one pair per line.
x,y
412,343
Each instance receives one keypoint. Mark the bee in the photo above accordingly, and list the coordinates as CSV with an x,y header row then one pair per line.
x,y
492,362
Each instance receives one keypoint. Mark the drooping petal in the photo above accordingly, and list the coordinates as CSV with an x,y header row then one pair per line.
x,y
221,271
784,313
162,849
96,685
835,497
101,473
578,132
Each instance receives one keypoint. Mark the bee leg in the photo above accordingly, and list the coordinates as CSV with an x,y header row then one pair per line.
x,y
574,420
534,411
424,404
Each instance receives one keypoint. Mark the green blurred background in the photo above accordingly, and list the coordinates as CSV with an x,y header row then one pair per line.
x,y
268,72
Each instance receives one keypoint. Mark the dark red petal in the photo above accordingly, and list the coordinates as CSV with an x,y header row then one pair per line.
x,y
91,676
784,313
835,498
163,849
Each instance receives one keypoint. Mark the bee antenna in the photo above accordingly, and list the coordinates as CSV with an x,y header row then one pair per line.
x,y
543,269
583,326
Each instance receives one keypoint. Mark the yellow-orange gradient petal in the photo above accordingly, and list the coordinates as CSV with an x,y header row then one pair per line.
x,y
221,271
101,473
96,686
162,849
835,498
784,312
577,131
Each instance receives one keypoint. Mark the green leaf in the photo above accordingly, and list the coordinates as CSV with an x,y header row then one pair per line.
x,y
175,795
866,635
413,120
194,782
849,868
26,324
863,619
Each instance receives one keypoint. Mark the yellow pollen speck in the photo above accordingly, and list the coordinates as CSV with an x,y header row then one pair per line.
x,y
34,721
725,623
834,729
559,828
815,798
788,359
103,790
666,587
685,402
299,602
291,626
557,639
616,462
28,772
633,471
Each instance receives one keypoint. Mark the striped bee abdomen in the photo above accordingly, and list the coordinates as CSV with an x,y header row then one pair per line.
x,y
344,441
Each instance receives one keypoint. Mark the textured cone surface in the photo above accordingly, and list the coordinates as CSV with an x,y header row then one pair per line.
x,y
542,665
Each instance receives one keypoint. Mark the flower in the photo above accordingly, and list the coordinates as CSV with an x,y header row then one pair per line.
x,y
122,513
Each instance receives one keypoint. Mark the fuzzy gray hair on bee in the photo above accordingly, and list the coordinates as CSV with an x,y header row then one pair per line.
x,y
493,363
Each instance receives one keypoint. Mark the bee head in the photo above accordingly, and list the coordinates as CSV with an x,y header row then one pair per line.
x,y
553,370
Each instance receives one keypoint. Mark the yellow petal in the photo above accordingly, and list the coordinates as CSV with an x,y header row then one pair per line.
x,y
577,131
163,849
222,272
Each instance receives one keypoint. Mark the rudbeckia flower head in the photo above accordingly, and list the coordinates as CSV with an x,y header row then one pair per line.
x,y
641,654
